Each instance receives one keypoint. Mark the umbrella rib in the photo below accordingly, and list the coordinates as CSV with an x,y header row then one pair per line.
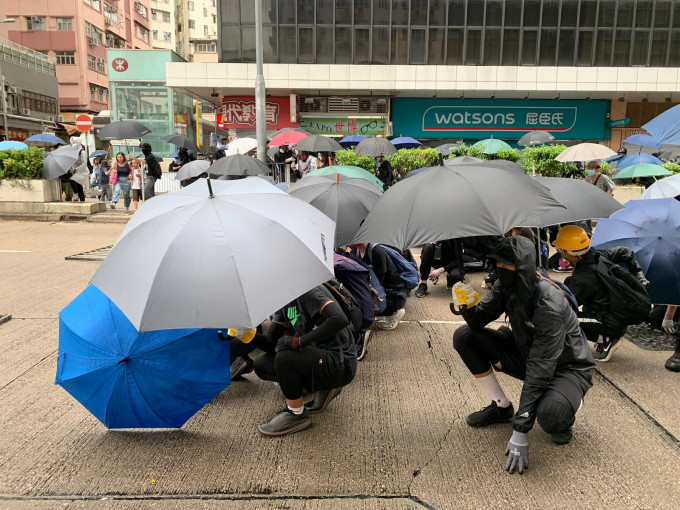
x,y
146,400
147,351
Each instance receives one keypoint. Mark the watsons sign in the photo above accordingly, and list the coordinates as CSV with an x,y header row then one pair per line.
x,y
426,118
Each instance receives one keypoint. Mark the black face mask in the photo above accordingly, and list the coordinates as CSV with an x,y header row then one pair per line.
x,y
506,277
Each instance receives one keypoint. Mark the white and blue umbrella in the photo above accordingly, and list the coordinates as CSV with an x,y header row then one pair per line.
x,y
12,145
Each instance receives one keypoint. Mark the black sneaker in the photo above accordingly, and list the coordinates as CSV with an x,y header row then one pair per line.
x,y
285,422
673,363
491,414
321,400
603,351
240,366
562,438
422,290
362,345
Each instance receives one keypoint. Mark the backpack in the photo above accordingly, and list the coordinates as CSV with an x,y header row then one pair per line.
x,y
628,299
347,302
408,271
357,280
545,280
378,295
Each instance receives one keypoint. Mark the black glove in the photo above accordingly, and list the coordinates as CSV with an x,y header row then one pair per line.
x,y
288,342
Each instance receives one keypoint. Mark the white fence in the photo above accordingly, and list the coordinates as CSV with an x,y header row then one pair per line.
x,y
167,183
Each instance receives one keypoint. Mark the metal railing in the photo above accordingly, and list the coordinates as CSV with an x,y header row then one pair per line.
x,y
26,57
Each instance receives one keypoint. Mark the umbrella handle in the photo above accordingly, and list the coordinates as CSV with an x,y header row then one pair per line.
x,y
210,187
457,312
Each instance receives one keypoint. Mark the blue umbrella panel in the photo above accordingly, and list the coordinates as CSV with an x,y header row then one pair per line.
x,y
127,379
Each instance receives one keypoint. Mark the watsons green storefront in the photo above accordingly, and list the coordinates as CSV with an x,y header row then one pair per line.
x,y
503,118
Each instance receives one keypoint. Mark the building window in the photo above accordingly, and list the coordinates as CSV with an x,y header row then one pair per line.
x,y
91,62
206,47
93,93
190,6
167,36
154,34
35,23
101,65
154,14
65,24
142,33
192,24
205,12
141,10
205,29
95,4
166,17
66,58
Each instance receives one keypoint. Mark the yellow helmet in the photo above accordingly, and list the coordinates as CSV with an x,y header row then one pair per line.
x,y
573,239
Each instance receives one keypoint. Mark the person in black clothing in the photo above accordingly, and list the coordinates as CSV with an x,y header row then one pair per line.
x,y
606,331
319,356
183,157
395,292
282,158
384,172
544,347
153,170
221,149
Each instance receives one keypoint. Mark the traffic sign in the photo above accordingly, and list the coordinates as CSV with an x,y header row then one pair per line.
x,y
84,123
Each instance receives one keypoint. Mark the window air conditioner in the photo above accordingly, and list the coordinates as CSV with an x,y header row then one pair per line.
x,y
49,118
25,111
60,118
14,90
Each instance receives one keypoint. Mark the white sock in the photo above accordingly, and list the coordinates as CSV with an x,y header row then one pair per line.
x,y
297,410
494,390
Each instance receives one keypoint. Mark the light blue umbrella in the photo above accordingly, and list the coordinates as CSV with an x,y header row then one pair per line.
x,y
12,145
636,159
99,153
667,187
46,138
406,142
666,127
642,140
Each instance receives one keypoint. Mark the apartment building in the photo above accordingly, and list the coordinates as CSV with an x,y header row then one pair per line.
x,y
163,26
197,30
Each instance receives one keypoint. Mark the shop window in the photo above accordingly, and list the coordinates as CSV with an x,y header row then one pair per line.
x,y
399,52
510,47
566,45
550,15
418,46
473,50
437,13
362,12
603,47
381,45
324,45
343,45
306,45
454,46
419,13
492,47
362,45
548,47
529,40
436,46
584,55
456,13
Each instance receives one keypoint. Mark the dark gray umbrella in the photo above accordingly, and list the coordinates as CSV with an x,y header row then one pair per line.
x,y
462,160
446,148
346,201
447,202
123,130
535,138
181,141
670,155
582,200
504,164
60,161
318,143
238,165
375,147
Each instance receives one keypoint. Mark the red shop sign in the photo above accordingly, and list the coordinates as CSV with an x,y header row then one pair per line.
x,y
239,112
17,134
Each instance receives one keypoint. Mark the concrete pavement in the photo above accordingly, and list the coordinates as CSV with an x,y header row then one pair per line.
x,y
394,438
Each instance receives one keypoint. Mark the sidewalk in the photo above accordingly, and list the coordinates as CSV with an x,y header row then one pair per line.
x,y
394,439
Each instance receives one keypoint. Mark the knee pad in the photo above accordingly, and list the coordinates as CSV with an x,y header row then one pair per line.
x,y
554,413
461,338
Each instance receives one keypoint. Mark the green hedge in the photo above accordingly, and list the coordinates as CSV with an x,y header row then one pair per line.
x,y
672,167
23,164
347,157
405,160
542,159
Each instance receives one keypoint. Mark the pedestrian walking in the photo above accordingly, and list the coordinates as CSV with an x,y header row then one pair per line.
x,y
136,177
104,180
600,180
153,171
122,181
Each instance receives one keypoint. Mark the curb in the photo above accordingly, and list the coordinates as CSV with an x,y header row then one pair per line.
x,y
44,217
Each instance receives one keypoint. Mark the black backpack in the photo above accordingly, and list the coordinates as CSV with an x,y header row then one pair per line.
x,y
347,302
628,299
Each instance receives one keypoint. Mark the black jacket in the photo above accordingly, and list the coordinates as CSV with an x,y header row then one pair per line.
x,y
384,173
546,333
152,166
592,295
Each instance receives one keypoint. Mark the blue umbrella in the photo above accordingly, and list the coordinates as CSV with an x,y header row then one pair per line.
x,y
127,379
636,159
12,145
405,142
351,141
666,127
642,140
46,138
174,154
99,153
651,228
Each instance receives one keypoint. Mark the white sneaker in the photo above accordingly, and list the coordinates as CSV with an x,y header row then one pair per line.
x,y
392,321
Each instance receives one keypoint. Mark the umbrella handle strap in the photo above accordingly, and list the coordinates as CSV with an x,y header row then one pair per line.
x,y
452,307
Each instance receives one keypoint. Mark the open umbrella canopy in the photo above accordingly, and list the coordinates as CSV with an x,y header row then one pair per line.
x,y
585,152
636,159
284,130
666,127
641,170
535,138
447,202
670,155
642,140
45,139
238,165
193,169
318,143
60,161
353,172
287,138
405,142
492,145
417,171
181,141
462,160
582,200
241,146
375,147
344,200
123,130
651,228
210,262
99,153
446,148
504,164
351,141
12,145
128,379
668,187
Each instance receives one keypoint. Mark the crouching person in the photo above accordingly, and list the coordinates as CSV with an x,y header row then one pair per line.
x,y
544,347
319,357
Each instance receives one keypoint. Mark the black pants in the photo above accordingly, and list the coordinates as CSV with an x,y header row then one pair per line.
x,y
259,341
479,350
394,300
311,368
592,330
78,189
428,262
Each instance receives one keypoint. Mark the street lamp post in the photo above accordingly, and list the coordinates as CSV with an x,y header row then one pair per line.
x,y
4,93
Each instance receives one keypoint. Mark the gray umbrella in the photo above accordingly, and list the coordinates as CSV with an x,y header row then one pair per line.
x,y
192,169
583,201
318,143
375,147
123,130
670,155
535,138
181,141
462,160
60,161
346,201
447,202
504,164
238,165
446,148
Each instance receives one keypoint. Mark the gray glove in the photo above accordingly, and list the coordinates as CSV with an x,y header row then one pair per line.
x,y
517,452
668,326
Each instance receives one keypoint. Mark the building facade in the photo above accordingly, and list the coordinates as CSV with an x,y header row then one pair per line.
x,y
163,26
31,99
197,30
77,33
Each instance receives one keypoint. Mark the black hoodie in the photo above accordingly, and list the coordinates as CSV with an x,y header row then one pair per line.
x,y
546,330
